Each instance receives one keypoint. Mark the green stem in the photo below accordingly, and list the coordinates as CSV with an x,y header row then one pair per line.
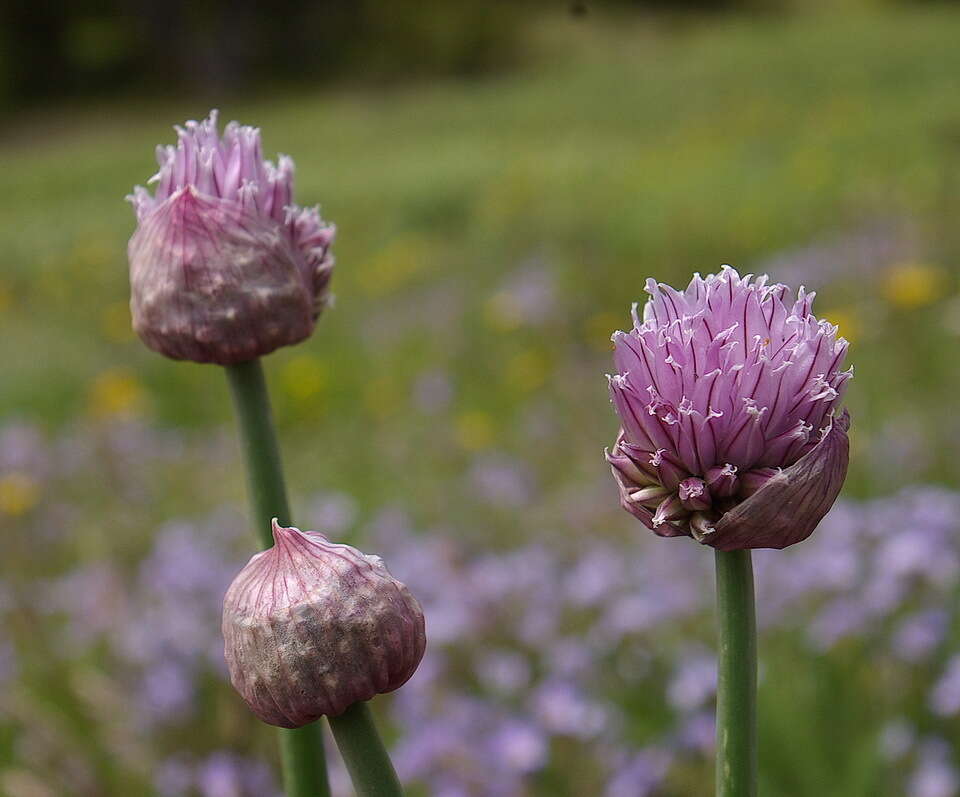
x,y
736,676
364,754
301,749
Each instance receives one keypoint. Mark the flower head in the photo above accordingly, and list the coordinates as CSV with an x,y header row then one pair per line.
x,y
727,395
311,627
224,267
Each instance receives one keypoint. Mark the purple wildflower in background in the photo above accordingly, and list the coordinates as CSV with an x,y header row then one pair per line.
x,y
945,697
640,775
859,253
224,267
935,774
167,690
225,774
173,777
727,395
432,392
896,739
502,481
919,634
521,746
694,682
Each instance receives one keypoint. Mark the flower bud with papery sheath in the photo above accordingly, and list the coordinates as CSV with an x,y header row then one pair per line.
x,y
224,267
727,394
311,627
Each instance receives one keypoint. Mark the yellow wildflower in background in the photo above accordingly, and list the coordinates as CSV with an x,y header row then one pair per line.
x,y
912,285
527,370
19,493
304,378
381,397
390,269
89,254
115,323
115,392
597,328
473,430
847,320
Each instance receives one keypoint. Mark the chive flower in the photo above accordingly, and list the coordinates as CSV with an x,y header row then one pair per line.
x,y
224,267
311,627
728,397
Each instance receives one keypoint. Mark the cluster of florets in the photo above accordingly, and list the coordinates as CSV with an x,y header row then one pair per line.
x,y
224,267
726,390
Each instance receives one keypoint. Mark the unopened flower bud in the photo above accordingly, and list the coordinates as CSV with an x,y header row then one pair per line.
x,y
722,481
650,496
729,393
311,627
223,266
669,509
693,494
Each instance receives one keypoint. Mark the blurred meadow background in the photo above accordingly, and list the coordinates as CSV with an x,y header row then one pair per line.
x,y
503,178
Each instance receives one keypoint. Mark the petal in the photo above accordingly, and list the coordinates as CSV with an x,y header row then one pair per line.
x,y
789,506
625,488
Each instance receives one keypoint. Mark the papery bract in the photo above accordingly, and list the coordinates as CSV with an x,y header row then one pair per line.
x,y
224,267
727,395
311,627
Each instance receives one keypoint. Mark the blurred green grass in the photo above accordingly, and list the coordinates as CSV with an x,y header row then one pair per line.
x,y
638,152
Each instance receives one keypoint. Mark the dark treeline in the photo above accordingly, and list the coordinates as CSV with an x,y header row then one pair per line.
x,y
81,48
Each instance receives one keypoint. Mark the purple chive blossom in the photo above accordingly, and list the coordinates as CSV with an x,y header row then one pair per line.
x,y
727,395
224,267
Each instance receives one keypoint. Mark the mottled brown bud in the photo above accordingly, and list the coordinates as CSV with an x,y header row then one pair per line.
x,y
212,282
311,627
224,267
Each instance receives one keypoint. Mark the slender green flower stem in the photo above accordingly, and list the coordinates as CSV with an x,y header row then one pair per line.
x,y
363,751
736,676
301,749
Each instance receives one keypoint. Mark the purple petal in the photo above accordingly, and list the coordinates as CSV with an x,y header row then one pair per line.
x,y
789,506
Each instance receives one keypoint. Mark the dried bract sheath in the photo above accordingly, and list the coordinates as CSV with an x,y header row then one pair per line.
x,y
224,267
311,627
727,394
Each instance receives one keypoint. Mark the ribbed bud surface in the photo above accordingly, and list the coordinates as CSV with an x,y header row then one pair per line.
x,y
311,627
727,394
223,266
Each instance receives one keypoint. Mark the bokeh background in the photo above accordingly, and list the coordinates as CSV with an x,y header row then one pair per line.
x,y
504,177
